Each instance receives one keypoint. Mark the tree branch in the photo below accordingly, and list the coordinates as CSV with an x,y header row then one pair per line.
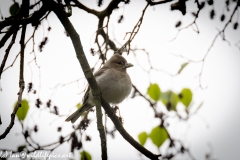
x,y
7,35
101,132
191,24
215,38
8,50
25,5
125,134
21,85
85,8
104,13
101,15
110,42
111,6
23,12
22,41
137,26
159,2
32,19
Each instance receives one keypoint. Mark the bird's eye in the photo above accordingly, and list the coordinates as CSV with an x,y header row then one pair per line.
x,y
119,62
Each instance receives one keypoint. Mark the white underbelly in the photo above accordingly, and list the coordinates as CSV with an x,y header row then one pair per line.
x,y
115,88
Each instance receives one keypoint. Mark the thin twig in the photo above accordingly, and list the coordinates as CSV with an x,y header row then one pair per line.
x,y
7,35
7,51
191,24
12,62
214,40
159,2
137,26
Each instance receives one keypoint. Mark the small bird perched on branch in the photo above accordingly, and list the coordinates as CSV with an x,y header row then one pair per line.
x,y
114,82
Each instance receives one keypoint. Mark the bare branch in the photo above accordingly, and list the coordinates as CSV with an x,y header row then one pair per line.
x,y
11,63
85,8
137,26
21,85
191,24
159,2
101,132
149,101
23,12
69,8
25,5
215,38
8,50
108,10
7,35
124,133
34,19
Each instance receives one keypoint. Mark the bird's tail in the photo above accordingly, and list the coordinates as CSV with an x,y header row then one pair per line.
x,y
73,117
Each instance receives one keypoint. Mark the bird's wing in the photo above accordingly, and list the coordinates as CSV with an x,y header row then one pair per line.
x,y
100,71
96,74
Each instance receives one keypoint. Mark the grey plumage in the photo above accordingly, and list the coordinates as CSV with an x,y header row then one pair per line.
x,y
114,82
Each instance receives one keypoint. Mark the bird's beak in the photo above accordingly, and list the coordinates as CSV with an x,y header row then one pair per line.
x,y
127,65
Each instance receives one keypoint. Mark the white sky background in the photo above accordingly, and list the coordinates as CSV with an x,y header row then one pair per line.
x,y
216,123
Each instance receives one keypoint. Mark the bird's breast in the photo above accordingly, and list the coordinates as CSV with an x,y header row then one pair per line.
x,y
115,85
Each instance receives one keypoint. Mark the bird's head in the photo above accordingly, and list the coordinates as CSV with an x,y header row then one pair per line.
x,y
118,62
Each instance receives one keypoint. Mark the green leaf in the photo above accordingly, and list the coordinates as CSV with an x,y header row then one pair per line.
x,y
21,148
79,105
142,137
182,67
158,135
85,155
23,110
170,100
14,8
186,96
154,91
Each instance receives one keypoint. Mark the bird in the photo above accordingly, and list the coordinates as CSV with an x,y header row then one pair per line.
x,y
114,82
